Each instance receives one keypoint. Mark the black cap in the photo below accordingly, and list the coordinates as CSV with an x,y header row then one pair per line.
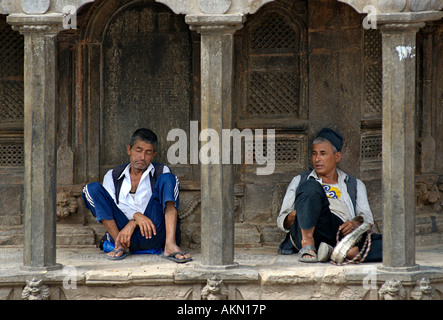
x,y
333,137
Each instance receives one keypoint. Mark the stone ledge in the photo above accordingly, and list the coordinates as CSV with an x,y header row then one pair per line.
x,y
261,274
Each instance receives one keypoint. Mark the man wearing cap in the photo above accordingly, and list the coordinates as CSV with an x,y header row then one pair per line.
x,y
320,202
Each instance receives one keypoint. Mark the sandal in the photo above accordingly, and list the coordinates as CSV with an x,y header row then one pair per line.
x,y
324,252
177,260
307,251
124,255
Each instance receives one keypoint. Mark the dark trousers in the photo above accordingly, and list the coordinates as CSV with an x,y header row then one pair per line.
x,y
312,210
103,207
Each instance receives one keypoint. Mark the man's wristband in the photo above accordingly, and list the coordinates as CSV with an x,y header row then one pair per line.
x,y
136,224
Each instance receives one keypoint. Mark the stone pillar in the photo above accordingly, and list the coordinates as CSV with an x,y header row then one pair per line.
x,y
40,84
399,65
399,32
217,180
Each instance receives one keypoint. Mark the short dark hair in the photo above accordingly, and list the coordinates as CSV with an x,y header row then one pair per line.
x,y
145,135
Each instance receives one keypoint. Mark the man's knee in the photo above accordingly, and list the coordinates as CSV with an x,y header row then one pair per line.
x,y
91,191
311,188
92,188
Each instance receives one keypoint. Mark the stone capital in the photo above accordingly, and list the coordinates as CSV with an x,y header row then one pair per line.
x,y
40,7
215,24
201,7
408,19
48,24
395,6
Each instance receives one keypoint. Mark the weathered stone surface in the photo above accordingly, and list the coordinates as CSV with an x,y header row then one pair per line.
x,y
214,7
40,149
398,143
35,6
391,5
146,73
335,93
217,179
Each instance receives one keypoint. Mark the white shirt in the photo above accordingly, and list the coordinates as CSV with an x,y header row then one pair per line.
x,y
337,204
128,204
362,204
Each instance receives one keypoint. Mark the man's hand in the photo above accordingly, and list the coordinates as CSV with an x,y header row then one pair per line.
x,y
289,220
124,236
347,227
147,227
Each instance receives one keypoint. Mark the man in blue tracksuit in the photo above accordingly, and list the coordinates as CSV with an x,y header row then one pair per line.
x,y
137,202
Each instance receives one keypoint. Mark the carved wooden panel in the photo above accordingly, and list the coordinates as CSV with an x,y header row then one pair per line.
x,y
147,78
11,74
373,74
371,148
274,63
274,32
289,149
11,96
372,106
11,155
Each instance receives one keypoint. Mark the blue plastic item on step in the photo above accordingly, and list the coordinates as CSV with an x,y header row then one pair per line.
x,y
109,246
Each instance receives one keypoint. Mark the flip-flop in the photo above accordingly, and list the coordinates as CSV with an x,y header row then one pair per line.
x,y
307,251
124,255
177,260
324,252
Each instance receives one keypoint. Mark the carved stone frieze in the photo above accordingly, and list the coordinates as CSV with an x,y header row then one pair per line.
x,y
190,207
66,204
423,290
214,290
428,190
35,290
392,290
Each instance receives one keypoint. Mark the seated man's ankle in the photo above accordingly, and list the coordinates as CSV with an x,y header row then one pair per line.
x,y
308,241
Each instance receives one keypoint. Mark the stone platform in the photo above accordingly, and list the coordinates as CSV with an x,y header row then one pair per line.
x,y
259,274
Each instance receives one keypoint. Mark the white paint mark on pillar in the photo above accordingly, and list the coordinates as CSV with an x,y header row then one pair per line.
x,y
405,52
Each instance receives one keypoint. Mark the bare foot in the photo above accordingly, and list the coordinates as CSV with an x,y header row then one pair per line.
x,y
352,253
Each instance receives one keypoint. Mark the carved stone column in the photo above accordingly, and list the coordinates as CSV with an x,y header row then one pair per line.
x,y
217,22
399,63
40,81
217,180
398,179
399,21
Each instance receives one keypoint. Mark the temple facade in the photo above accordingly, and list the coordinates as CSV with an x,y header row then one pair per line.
x,y
77,77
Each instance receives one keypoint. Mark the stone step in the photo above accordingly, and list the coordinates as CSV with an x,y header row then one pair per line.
x,y
67,235
246,236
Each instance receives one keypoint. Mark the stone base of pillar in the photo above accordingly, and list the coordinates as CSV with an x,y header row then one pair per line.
x,y
398,270
203,267
54,267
